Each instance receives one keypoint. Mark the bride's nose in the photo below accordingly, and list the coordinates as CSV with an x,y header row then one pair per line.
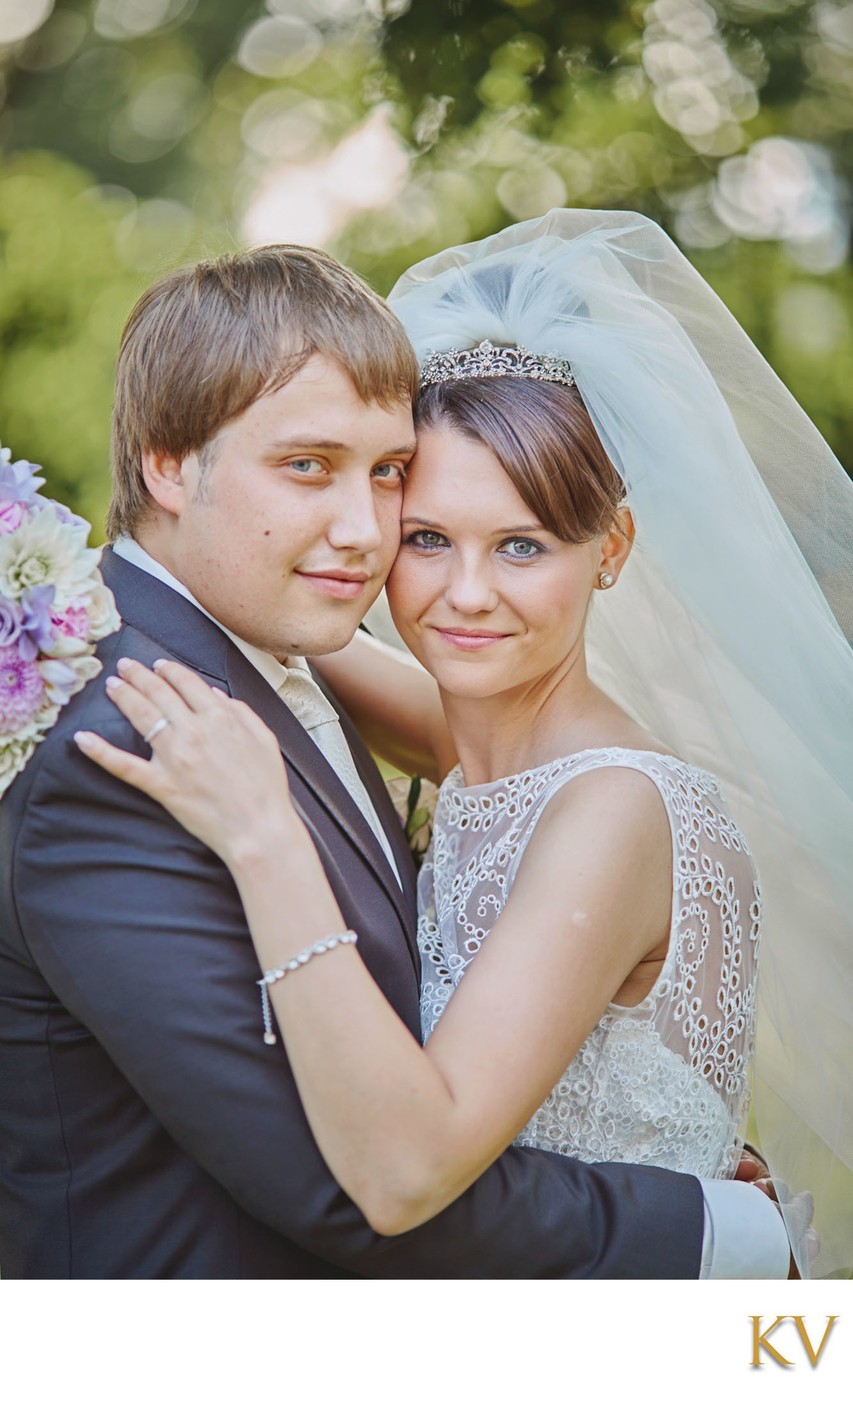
x,y
470,589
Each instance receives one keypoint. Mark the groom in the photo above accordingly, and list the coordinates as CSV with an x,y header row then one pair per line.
x,y
262,423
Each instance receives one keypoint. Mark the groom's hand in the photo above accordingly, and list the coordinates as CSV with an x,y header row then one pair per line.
x,y
753,1169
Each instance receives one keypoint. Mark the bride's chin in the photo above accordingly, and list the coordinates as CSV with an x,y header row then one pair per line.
x,y
465,682
468,677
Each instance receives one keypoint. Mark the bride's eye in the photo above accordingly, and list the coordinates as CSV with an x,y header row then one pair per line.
x,y
521,548
425,540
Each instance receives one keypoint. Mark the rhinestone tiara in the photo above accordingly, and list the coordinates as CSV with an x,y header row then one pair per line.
x,y
490,360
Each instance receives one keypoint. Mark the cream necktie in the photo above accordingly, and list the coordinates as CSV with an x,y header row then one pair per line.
x,y
312,708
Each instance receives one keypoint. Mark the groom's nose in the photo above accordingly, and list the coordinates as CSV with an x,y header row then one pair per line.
x,y
355,524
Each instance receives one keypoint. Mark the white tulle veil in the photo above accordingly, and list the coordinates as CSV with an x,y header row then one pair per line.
x,y
725,635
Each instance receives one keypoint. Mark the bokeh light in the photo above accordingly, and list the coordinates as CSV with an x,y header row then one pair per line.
x,y
697,89
786,190
129,19
157,115
279,47
20,18
312,203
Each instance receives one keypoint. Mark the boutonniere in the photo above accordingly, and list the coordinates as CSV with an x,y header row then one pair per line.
x,y
414,800
54,607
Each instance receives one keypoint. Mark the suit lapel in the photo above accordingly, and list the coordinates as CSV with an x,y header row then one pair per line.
x,y
185,632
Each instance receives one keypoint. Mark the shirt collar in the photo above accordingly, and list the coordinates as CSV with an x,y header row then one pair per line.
x,y
266,664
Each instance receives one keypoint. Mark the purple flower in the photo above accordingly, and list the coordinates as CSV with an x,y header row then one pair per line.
x,y
37,630
21,690
60,511
10,622
18,481
12,515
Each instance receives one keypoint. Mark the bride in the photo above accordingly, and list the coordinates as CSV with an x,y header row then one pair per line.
x,y
581,385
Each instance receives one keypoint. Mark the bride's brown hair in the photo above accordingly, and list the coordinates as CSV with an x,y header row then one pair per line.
x,y
542,436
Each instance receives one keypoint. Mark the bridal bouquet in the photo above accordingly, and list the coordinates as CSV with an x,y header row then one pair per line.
x,y
53,609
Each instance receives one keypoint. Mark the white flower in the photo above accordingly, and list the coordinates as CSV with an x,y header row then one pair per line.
x,y
65,677
104,618
35,728
47,715
45,551
15,752
65,646
85,669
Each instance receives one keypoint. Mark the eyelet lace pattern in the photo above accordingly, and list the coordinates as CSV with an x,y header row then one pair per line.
x,y
665,1082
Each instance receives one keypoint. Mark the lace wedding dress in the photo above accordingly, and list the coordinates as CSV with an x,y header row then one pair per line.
x,y
660,1083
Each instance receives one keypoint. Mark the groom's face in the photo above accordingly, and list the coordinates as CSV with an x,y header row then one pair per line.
x,y
286,526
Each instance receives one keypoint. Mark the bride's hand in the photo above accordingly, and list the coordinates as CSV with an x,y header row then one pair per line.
x,y
215,766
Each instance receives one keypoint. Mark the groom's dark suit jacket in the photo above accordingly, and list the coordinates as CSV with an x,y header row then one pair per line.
x,y
146,1130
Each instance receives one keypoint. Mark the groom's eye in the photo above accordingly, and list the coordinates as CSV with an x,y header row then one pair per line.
x,y
307,467
389,472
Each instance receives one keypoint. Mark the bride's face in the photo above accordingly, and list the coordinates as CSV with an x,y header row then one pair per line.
x,y
483,595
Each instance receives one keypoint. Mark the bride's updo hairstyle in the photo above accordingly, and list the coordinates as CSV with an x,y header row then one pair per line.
x,y
541,434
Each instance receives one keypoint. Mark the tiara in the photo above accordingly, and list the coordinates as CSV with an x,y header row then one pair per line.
x,y
490,360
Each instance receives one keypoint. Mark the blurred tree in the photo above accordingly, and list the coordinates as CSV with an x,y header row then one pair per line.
x,y
728,122
138,134
122,124
119,87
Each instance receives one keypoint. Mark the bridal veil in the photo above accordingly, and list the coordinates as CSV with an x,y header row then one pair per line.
x,y
727,635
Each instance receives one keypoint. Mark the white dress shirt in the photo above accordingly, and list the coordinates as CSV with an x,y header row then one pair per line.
x,y
744,1234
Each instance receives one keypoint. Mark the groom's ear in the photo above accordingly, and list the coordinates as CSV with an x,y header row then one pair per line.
x,y
169,481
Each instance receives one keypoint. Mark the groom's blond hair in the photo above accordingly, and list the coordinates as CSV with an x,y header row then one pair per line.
x,y
204,343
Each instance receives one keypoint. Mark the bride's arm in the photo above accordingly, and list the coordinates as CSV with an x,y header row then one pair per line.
x,y
406,1130
394,703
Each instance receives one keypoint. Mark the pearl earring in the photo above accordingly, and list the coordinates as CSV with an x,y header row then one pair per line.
x,y
605,580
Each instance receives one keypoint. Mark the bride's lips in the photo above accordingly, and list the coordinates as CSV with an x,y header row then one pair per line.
x,y
470,639
340,585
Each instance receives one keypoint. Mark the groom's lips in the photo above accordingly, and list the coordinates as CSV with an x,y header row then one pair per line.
x,y
340,585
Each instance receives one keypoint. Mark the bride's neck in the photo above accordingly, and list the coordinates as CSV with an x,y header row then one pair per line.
x,y
523,727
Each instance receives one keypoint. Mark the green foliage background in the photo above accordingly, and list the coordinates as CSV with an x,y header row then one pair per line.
x,y
134,134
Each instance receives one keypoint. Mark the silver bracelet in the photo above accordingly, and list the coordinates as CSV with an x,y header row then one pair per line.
x,y
348,938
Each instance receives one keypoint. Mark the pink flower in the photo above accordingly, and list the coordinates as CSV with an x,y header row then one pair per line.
x,y
12,515
21,690
73,622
